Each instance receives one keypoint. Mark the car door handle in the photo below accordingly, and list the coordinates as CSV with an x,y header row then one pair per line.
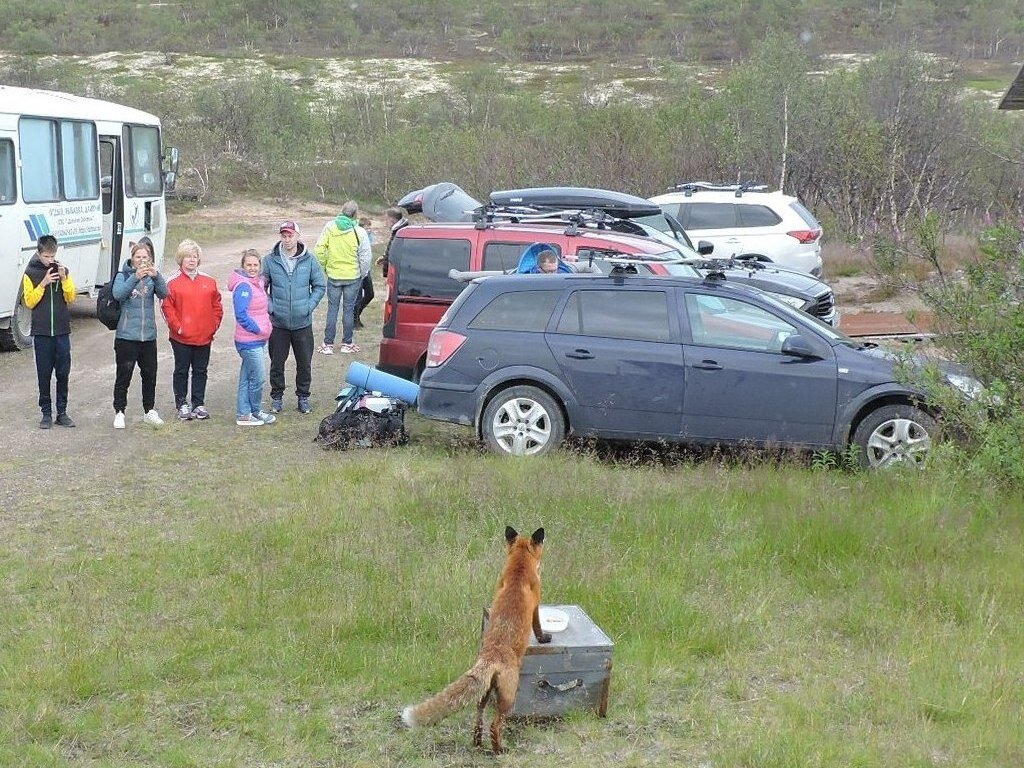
x,y
708,365
580,354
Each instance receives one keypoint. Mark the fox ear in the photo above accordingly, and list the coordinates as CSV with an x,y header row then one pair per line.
x,y
538,536
510,534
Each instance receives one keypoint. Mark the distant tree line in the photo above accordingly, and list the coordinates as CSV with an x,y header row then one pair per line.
x,y
873,149
692,30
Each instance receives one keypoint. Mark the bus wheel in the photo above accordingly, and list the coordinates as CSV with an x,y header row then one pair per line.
x,y
18,335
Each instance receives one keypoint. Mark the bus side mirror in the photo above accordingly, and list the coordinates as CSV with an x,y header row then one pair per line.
x,y
170,169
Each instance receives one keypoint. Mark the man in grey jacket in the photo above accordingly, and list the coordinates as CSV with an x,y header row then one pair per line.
x,y
296,284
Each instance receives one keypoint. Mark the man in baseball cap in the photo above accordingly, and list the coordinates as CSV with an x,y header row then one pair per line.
x,y
291,272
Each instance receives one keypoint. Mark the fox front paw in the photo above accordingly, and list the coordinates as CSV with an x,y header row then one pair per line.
x,y
544,637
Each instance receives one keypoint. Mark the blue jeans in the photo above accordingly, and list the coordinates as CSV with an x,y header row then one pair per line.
x,y
336,292
250,380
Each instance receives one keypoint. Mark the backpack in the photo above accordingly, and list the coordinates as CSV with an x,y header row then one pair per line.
x,y
352,427
108,309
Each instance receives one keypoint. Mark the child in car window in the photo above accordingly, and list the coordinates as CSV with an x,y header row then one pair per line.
x,y
541,258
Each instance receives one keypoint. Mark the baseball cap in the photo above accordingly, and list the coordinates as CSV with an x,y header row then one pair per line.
x,y
288,226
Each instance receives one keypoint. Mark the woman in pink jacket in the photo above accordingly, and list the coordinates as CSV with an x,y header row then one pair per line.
x,y
252,329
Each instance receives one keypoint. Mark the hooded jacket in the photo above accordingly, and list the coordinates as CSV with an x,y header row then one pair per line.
x,y
138,303
193,308
343,250
294,296
49,304
252,309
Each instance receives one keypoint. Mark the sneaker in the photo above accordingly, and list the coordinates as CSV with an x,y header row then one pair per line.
x,y
348,349
276,405
326,349
266,418
248,421
200,412
64,420
184,413
119,420
46,422
304,405
153,419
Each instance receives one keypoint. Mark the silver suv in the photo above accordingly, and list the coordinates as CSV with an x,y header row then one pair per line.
x,y
748,222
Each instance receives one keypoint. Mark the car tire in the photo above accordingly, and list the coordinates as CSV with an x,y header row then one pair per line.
x,y
522,421
895,434
18,335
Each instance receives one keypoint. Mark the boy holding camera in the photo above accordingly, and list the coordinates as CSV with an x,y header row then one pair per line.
x,y
47,289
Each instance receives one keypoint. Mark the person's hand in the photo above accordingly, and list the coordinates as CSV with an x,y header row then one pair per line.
x,y
62,271
48,277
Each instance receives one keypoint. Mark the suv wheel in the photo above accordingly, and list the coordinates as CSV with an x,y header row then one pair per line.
x,y
895,434
522,421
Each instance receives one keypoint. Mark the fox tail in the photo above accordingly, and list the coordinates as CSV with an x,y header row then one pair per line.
x,y
459,694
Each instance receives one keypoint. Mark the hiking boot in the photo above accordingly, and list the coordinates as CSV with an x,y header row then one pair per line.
x,y
276,405
266,418
248,421
46,422
304,406
200,412
64,420
184,413
153,419
119,420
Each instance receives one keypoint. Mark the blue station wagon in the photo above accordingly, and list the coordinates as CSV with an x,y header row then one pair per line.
x,y
527,359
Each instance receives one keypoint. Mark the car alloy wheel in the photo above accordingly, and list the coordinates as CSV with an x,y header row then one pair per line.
x,y
522,421
895,434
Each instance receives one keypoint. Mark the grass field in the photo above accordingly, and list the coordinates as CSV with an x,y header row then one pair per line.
x,y
191,613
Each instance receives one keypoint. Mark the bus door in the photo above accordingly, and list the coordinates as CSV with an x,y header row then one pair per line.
x,y
112,188
15,246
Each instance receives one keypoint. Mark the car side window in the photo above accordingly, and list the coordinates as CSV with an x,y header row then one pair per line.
x,y
517,311
724,322
757,216
505,256
422,265
639,315
709,215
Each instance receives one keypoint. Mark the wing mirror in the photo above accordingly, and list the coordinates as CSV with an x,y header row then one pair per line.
x,y
797,346
704,248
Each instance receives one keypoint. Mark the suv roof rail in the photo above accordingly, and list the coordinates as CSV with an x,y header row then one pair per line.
x,y
689,187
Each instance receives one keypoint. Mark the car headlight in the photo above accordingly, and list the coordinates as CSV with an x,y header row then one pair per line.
x,y
969,385
794,301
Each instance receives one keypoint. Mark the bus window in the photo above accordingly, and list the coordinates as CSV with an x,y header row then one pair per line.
x,y
39,181
143,158
8,186
78,158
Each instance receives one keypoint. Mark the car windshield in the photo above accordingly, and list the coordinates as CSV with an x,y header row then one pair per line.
x,y
665,223
667,260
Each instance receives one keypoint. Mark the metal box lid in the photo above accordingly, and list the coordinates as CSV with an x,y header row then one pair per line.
x,y
582,634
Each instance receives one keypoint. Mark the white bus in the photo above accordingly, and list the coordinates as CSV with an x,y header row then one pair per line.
x,y
89,172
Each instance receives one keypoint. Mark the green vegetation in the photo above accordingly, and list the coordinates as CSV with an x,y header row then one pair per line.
x,y
770,615
553,30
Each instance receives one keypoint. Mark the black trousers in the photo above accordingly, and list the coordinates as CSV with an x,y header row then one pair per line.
x,y
300,342
196,358
128,354
53,356
365,294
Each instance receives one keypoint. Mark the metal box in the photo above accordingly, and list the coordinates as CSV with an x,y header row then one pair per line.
x,y
573,671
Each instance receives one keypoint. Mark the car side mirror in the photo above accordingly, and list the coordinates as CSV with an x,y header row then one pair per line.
x,y
797,346
704,248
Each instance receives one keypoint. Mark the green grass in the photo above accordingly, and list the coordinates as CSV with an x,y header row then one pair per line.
x,y
281,613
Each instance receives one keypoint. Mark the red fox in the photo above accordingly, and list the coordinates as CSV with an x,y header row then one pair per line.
x,y
514,613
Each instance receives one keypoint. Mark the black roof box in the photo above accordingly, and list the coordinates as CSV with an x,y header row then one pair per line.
x,y
614,203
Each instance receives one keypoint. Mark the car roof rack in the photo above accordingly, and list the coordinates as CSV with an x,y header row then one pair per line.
x,y
574,218
689,187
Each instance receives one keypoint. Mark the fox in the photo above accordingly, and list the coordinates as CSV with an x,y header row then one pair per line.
x,y
515,611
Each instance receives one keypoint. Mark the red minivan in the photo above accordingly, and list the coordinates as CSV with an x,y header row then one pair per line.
x,y
421,255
